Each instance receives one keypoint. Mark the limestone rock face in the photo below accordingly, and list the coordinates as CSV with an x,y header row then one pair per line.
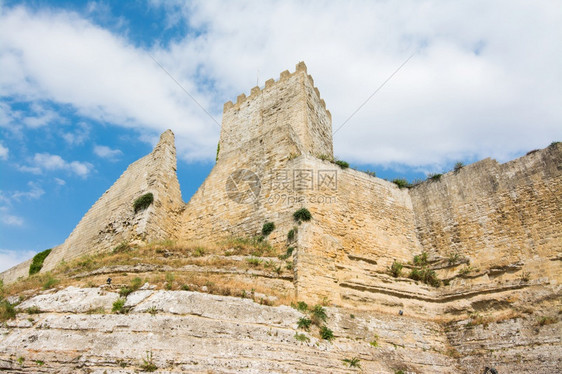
x,y
195,332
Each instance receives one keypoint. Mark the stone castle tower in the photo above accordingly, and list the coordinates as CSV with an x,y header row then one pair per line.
x,y
274,158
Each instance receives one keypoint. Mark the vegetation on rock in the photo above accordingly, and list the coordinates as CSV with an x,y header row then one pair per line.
x,y
148,363
291,234
421,259
352,362
267,228
341,164
434,176
458,166
401,183
118,306
425,275
326,333
37,262
143,202
304,323
302,214
7,311
396,269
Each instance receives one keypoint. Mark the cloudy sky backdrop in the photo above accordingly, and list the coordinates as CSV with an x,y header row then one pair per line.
x,y
81,95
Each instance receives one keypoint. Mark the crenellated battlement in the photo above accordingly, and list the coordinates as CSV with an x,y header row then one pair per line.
x,y
271,84
292,105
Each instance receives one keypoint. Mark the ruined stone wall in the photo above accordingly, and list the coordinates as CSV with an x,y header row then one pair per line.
x,y
213,215
496,214
360,225
112,219
19,271
264,133
292,102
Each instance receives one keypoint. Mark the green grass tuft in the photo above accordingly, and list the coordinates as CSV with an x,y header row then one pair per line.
x,y
426,276
148,363
304,323
352,362
396,269
326,333
143,202
302,214
37,262
458,166
50,282
291,235
341,164
267,228
118,306
7,311
401,183
301,306
318,314
421,259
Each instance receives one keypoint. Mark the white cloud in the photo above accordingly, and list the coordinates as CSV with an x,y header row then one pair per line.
x,y
60,182
79,136
7,198
10,258
484,81
3,152
59,56
11,220
48,162
106,152
37,116
43,116
35,192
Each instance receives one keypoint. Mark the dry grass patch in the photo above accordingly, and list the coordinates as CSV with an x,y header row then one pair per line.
x,y
165,253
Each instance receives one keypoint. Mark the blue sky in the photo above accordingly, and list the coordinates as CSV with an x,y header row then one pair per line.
x,y
81,96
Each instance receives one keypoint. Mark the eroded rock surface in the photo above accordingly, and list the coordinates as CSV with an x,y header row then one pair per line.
x,y
197,332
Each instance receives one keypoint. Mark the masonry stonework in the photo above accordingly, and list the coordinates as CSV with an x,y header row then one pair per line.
x,y
492,232
265,133
112,219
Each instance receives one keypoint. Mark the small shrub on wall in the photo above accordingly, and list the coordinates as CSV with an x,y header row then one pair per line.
x,y
143,202
37,262
302,214
267,228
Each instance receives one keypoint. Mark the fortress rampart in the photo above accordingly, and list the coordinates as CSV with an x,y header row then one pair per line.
x,y
492,235
505,220
292,102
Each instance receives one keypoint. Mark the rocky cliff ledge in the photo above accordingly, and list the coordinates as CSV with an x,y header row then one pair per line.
x,y
95,330
74,331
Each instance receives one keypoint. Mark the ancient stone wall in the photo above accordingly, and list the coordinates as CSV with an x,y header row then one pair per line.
x,y
496,214
292,102
493,233
360,225
263,134
14,273
112,219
